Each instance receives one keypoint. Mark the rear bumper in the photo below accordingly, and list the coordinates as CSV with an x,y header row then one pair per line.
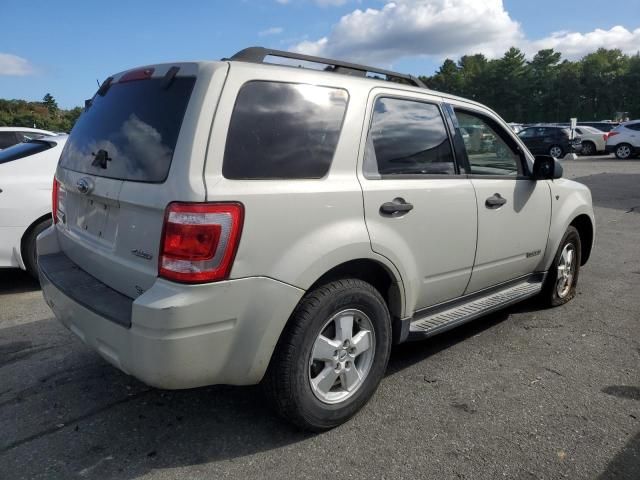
x,y
180,336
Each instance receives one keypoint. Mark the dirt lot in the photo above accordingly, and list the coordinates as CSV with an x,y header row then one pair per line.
x,y
526,393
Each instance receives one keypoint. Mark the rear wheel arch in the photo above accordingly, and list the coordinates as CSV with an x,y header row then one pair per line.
x,y
373,272
583,224
26,237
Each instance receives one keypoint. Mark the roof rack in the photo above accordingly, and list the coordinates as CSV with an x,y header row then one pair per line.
x,y
258,55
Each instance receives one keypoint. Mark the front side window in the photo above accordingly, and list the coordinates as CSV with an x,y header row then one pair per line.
x,y
487,148
283,131
408,137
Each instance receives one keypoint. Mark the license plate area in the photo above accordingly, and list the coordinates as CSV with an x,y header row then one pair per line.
x,y
92,218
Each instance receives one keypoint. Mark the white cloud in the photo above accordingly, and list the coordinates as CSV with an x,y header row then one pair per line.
x,y
283,2
574,45
405,28
271,31
14,65
440,28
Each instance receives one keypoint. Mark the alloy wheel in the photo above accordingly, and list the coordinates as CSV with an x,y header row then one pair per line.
x,y
342,356
566,270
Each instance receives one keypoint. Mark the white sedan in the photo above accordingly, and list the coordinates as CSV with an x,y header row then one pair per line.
x,y
26,179
593,140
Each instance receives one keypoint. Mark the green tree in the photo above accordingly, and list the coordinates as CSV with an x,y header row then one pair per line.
x,y
50,103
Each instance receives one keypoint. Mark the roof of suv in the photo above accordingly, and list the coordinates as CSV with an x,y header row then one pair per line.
x,y
351,71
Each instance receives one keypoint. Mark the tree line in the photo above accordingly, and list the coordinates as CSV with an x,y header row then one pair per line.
x,y
602,85
45,114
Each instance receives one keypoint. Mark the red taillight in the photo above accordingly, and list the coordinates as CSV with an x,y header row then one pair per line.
x,y
199,241
142,74
54,199
612,134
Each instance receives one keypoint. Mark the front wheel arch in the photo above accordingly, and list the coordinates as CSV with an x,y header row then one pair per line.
x,y
583,224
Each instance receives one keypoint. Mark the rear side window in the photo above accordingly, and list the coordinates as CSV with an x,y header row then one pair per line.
x,y
408,137
22,150
634,126
283,131
130,133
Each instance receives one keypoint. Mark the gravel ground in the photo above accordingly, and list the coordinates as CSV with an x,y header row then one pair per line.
x,y
526,393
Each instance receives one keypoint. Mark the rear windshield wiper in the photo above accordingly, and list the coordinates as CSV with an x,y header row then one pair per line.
x,y
101,159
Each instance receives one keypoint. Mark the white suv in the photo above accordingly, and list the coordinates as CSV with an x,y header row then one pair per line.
x,y
624,140
241,222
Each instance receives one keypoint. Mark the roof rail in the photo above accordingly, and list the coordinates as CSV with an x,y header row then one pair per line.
x,y
258,55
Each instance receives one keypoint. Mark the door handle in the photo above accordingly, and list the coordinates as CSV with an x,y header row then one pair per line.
x,y
494,201
396,208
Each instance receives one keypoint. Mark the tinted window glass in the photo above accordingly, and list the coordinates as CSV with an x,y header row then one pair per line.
x,y
22,150
7,139
489,149
409,137
130,132
26,136
527,133
634,126
283,130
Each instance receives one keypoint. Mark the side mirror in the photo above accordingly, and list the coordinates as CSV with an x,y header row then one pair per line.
x,y
546,168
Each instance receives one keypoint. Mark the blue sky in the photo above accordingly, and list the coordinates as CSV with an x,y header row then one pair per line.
x,y
64,49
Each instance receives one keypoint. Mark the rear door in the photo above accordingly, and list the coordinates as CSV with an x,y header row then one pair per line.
x,y
514,211
137,147
420,209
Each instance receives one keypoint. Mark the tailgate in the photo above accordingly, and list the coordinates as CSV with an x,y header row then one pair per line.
x,y
140,145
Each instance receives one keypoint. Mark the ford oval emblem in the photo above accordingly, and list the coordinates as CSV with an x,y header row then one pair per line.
x,y
84,185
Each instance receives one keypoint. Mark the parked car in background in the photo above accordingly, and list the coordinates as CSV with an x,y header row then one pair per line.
x,y
11,135
173,252
550,140
593,140
26,178
604,126
516,127
624,140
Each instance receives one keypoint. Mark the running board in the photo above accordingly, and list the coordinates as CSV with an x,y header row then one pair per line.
x,y
444,317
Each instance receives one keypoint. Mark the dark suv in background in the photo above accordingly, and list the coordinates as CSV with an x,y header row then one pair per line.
x,y
550,140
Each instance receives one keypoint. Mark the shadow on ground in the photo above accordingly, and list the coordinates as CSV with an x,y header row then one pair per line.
x,y
114,416
13,280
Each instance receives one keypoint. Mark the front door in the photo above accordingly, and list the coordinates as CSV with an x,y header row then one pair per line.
x,y
419,210
514,211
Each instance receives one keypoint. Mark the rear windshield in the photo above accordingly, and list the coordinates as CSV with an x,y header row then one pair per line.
x,y
130,133
22,150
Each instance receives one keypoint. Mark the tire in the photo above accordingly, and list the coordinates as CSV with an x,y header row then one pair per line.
x,y
556,151
293,382
623,151
588,148
560,288
29,253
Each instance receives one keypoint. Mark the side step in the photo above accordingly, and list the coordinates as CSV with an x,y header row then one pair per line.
x,y
446,316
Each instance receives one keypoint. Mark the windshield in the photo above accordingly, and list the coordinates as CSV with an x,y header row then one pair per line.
x,y
130,133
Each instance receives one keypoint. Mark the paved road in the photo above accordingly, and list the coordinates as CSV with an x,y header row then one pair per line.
x,y
527,393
